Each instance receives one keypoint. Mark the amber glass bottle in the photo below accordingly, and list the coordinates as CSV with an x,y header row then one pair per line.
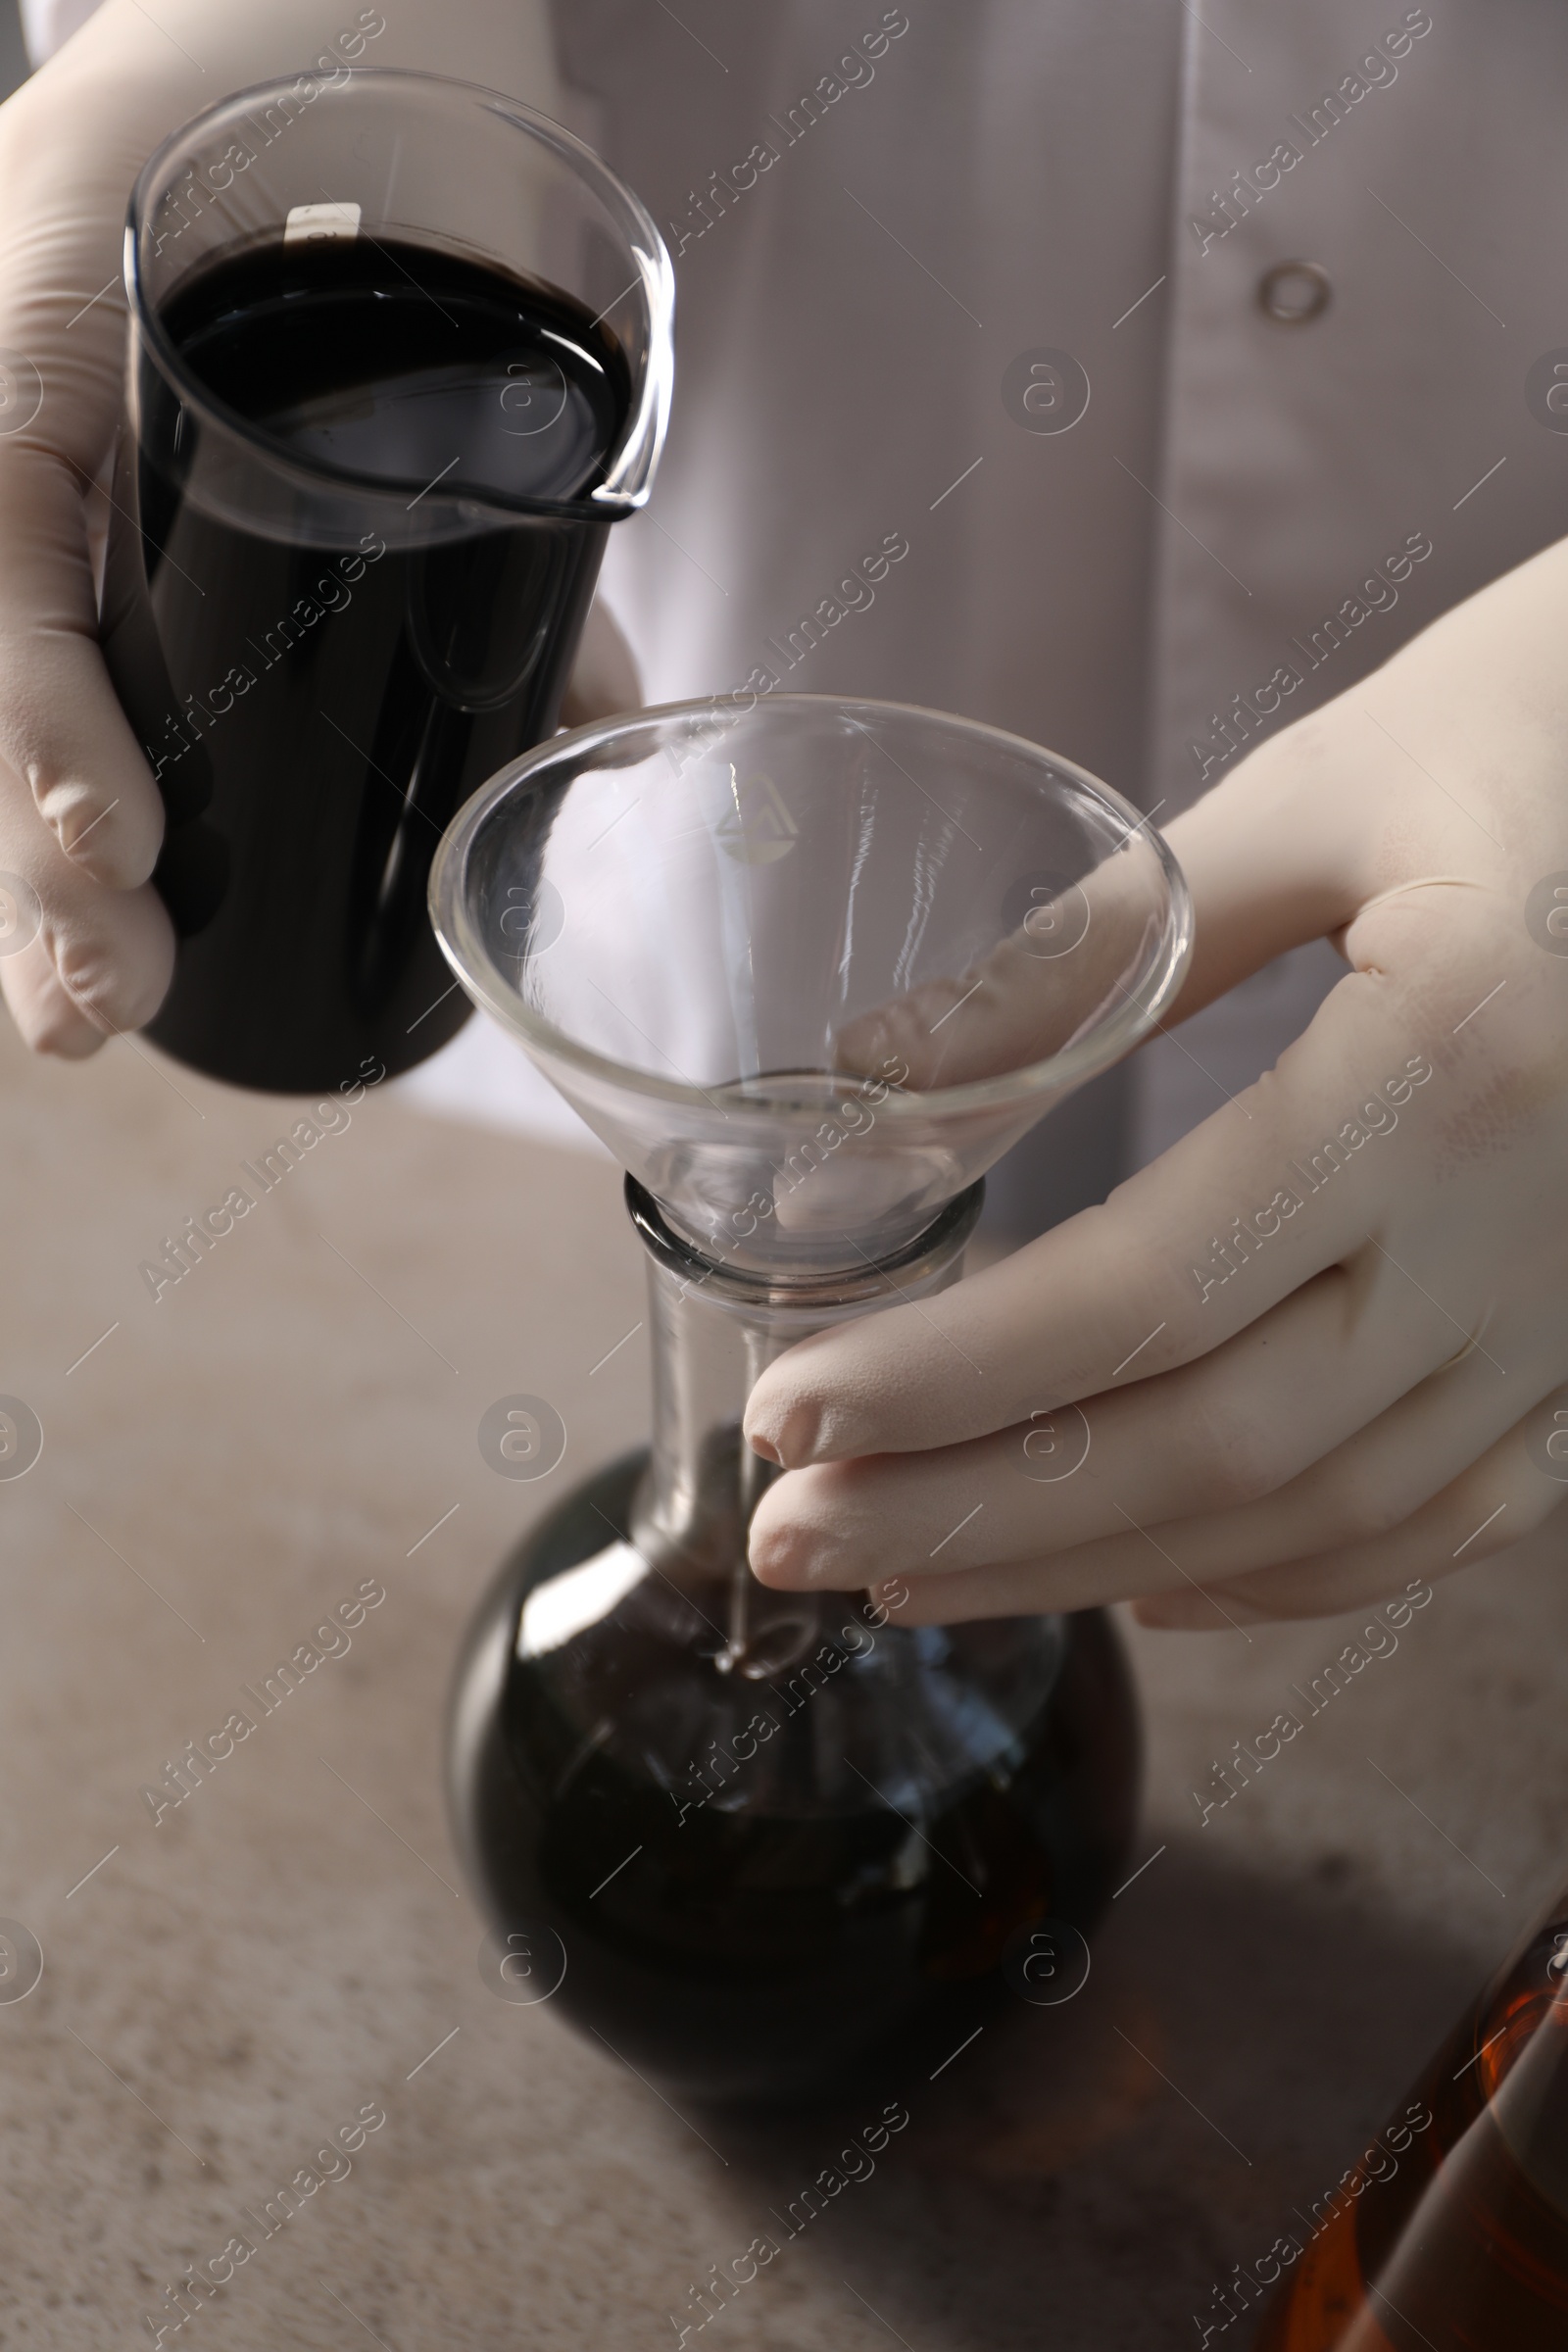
x,y
1451,2232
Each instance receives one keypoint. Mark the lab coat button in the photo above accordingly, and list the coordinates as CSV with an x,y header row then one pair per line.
x,y
1293,292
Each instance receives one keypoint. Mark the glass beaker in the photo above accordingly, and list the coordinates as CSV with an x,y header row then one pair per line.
x,y
808,967
1451,2231
398,355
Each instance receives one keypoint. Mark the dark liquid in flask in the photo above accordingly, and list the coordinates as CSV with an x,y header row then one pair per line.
x,y
317,710
752,1917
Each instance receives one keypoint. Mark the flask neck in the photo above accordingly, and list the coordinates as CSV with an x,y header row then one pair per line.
x,y
715,1331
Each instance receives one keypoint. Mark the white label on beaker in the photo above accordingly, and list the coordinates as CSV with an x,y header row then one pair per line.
x,y
309,220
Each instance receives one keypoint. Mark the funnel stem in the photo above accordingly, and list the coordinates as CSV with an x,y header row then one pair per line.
x,y
754,1477
715,1332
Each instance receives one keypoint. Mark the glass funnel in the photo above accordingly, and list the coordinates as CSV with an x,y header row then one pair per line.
x,y
808,967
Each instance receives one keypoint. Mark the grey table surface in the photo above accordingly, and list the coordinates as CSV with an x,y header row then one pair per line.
x,y
293,1944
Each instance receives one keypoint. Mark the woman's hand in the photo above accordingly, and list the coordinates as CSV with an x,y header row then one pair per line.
x,y
1320,1347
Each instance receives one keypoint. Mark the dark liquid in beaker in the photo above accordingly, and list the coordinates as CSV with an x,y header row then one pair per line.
x,y
315,712
761,1917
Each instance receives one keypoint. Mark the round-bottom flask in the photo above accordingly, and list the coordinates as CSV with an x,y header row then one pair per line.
x,y
807,967
764,1834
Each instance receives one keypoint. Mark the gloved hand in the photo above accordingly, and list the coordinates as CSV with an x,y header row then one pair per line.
x,y
85,947
1319,1348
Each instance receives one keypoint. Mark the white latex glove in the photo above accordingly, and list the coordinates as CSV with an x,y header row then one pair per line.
x,y
1374,1392
85,947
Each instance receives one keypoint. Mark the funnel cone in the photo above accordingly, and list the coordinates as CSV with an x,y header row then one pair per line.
x,y
809,968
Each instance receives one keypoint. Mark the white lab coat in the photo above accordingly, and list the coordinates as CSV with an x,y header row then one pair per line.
x,y
881,218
